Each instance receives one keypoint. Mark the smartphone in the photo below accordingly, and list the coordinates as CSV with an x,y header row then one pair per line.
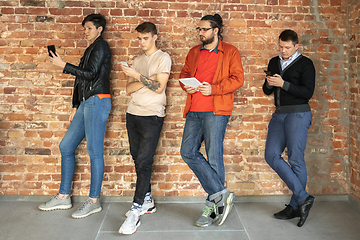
x,y
124,63
51,48
268,73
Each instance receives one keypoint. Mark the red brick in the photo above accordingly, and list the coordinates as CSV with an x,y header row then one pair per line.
x,y
7,10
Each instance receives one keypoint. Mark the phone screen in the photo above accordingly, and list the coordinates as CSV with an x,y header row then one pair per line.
x,y
268,73
124,63
51,48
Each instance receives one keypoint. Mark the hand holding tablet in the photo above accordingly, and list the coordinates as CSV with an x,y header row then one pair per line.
x,y
191,82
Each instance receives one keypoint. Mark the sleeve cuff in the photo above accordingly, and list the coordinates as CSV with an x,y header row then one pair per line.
x,y
65,69
286,86
268,86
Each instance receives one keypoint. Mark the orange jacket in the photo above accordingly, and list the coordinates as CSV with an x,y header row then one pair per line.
x,y
228,77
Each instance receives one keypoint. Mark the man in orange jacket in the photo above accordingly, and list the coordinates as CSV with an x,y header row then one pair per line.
x,y
217,66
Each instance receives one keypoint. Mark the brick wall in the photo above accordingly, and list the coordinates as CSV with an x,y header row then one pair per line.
x,y
35,97
354,82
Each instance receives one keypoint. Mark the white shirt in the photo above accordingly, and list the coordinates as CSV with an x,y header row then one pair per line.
x,y
285,63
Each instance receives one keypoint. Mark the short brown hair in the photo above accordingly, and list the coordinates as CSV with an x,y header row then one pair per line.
x,y
289,35
147,27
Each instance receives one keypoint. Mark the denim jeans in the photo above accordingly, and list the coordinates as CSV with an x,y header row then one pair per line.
x,y
89,121
208,127
289,130
144,133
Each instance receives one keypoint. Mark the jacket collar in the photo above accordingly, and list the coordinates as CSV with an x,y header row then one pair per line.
x,y
98,39
220,46
216,50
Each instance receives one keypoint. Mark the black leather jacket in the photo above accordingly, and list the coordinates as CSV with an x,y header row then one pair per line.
x,y
93,72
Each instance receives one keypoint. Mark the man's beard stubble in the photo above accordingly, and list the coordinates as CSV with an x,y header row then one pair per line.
x,y
208,41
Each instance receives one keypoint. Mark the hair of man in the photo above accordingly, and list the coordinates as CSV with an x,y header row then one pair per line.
x,y
289,35
215,22
147,27
97,19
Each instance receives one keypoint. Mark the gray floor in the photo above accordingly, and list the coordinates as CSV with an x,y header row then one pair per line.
x,y
247,221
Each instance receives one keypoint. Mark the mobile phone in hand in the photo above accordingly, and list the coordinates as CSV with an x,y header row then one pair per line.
x,y
124,63
51,48
268,73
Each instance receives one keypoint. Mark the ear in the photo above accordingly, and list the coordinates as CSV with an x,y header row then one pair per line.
x,y
297,46
100,29
155,37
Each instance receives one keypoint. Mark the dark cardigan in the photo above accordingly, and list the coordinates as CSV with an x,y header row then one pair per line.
x,y
298,87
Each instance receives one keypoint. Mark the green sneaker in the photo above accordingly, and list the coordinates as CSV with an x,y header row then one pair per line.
x,y
87,208
224,206
208,216
55,203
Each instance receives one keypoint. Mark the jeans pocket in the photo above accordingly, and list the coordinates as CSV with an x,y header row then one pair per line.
x,y
158,120
300,115
306,118
106,104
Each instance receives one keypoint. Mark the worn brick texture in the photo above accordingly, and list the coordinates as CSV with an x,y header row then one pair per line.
x,y
354,84
35,97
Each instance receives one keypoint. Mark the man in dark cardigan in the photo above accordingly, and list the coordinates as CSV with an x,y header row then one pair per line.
x,y
291,77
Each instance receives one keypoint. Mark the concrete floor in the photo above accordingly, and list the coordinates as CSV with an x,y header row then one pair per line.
x,y
338,220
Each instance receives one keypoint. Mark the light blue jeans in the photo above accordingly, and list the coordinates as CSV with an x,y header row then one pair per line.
x,y
89,121
289,130
208,127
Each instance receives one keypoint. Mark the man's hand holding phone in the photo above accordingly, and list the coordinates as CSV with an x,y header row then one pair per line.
x,y
274,79
129,71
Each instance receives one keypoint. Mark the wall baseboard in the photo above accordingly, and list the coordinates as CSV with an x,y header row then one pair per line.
x,y
240,199
354,201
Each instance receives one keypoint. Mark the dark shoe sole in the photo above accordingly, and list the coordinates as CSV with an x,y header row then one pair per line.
x,y
284,218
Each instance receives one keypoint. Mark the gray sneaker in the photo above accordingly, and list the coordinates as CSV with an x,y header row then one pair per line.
x,y
224,206
55,203
208,216
87,208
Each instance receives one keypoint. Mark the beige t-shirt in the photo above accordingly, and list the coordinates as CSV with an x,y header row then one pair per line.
x,y
145,102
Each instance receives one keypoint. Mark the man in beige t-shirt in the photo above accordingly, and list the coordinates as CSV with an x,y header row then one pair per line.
x,y
144,118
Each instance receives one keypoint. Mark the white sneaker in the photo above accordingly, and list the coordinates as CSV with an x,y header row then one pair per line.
x,y
131,223
148,207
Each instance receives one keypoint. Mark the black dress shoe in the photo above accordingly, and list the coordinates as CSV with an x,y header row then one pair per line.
x,y
305,209
288,213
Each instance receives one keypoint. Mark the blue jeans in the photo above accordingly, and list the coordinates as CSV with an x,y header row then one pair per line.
x,y
89,121
199,127
289,130
144,133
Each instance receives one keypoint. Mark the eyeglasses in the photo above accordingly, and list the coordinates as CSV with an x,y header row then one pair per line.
x,y
198,29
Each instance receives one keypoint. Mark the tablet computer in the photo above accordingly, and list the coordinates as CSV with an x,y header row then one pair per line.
x,y
191,82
